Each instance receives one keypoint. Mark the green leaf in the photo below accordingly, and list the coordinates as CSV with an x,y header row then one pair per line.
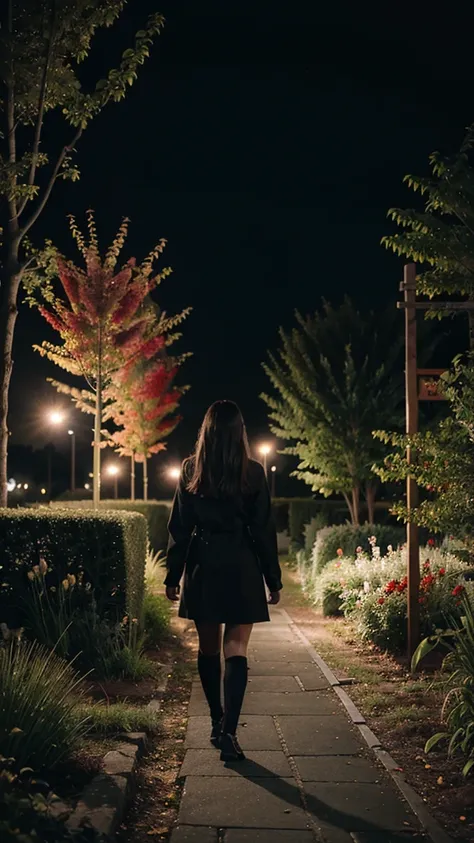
x,y
435,739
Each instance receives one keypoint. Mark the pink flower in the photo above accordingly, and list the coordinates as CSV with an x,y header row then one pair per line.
x,y
381,601
340,551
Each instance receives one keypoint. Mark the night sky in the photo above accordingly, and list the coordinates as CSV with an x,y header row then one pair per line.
x,y
266,142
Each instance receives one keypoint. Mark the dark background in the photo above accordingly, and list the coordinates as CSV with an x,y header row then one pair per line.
x,y
266,142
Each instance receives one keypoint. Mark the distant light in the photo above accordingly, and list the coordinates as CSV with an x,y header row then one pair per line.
x,y
71,432
90,474
265,449
25,486
19,486
113,470
87,486
56,417
273,468
11,485
43,491
174,473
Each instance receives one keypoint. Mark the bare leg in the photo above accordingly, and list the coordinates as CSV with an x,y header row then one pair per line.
x,y
209,667
236,639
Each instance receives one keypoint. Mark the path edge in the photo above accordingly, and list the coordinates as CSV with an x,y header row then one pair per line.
x,y
104,802
425,818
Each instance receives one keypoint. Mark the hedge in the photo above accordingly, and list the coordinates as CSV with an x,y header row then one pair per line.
x,y
156,513
293,514
108,549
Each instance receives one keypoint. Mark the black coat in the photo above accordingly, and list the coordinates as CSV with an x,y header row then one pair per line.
x,y
224,547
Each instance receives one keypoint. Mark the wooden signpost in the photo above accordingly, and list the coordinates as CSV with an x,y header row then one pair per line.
x,y
420,385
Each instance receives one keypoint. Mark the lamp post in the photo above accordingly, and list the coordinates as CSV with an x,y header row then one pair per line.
x,y
265,450
273,471
114,471
73,460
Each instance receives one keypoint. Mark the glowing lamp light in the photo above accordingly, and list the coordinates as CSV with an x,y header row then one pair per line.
x,y
87,486
11,485
265,449
273,468
56,417
25,486
174,473
71,432
43,491
113,470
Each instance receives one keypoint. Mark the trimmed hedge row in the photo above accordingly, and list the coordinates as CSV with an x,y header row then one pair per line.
x,y
156,513
293,514
107,549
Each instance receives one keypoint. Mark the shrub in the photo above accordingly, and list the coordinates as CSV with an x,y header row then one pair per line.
x,y
301,510
156,618
156,513
348,538
458,707
105,549
39,723
25,811
154,569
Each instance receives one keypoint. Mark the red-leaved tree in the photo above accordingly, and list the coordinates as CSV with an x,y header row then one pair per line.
x,y
105,320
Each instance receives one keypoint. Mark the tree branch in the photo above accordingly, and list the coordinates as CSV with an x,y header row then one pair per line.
x,y
11,132
36,213
41,106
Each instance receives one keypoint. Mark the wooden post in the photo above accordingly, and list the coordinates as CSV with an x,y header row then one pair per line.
x,y
411,389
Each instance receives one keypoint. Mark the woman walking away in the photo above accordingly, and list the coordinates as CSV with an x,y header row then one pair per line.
x,y
223,538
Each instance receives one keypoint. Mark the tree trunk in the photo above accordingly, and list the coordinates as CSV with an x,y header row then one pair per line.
x,y
355,506
470,315
132,477
145,479
97,424
349,506
10,284
370,496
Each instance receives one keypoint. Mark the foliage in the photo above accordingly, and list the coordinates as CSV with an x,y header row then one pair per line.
x,y
442,235
43,45
442,461
156,618
39,724
337,375
154,569
120,717
104,549
26,814
458,706
157,514
300,512
347,538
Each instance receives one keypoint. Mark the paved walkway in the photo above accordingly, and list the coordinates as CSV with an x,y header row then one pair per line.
x,y
308,776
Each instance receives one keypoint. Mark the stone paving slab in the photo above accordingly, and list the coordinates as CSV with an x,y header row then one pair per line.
x,y
312,679
259,763
280,668
336,768
193,834
242,803
359,807
388,837
310,735
261,835
272,654
258,733
281,684
312,702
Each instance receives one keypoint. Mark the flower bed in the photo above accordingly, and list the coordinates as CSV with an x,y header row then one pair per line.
x,y
372,589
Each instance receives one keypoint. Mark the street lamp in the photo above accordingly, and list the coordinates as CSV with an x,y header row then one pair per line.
x,y
114,471
73,460
56,417
273,471
265,450
174,473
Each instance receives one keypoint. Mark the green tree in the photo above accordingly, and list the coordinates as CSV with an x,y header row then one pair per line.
x,y
42,44
337,376
442,461
441,236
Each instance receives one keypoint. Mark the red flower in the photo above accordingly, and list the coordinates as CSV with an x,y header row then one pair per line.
x,y
427,581
402,585
421,600
381,601
340,551
391,586
431,542
457,590
427,565
441,572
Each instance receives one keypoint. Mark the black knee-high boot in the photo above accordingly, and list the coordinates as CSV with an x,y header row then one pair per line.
x,y
235,683
209,668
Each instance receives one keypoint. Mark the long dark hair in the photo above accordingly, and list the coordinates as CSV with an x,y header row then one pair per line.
x,y
222,453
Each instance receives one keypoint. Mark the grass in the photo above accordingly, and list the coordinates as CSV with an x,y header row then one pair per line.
x,y
120,717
